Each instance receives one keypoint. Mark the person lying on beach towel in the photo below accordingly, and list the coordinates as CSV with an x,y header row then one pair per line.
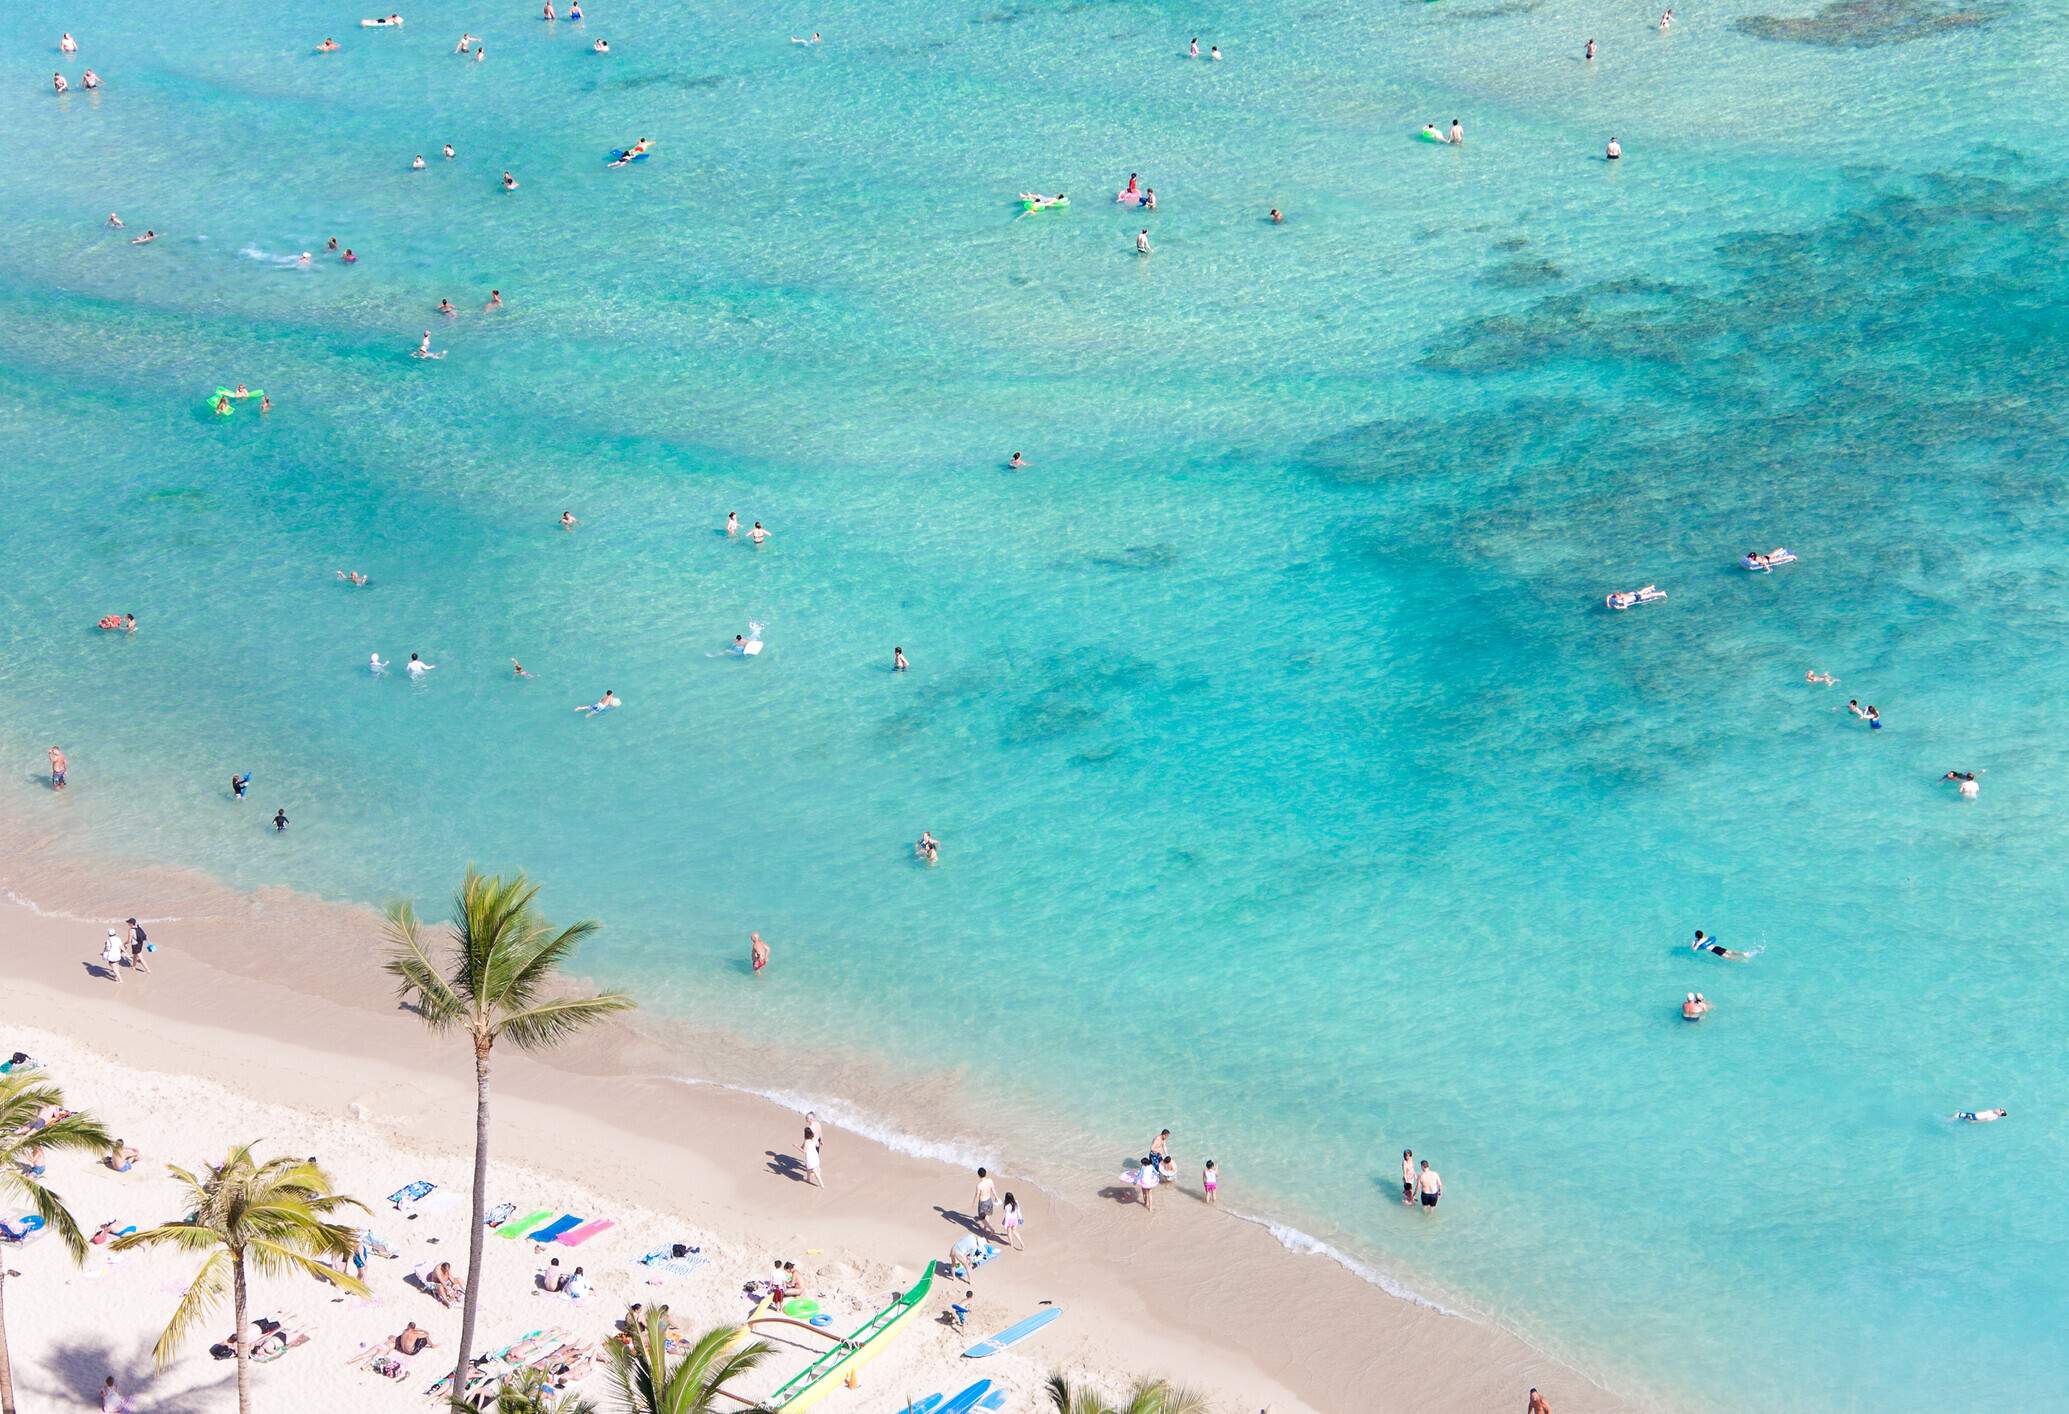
x,y
440,1283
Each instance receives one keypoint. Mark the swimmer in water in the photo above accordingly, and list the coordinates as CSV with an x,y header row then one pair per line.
x,y
1666,21
1142,245
66,44
1457,136
304,258
146,238
732,522
568,521
329,46
549,10
495,301
1815,676
1590,52
757,952
757,535
898,663
1966,780
424,348
353,577
1430,133
1615,152
509,182
1149,199
279,821
602,704
266,406
466,42
517,669
1874,718
448,152
481,52
1194,51
575,10
1277,218
91,79
239,784
1695,1008
445,307
602,46
417,164
375,665
1705,943
1980,1116
638,149
1214,53
1016,463
348,257
928,849
330,246
813,40
114,222
418,667
57,81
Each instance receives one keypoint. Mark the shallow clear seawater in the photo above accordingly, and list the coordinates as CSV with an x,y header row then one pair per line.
x,y
1296,789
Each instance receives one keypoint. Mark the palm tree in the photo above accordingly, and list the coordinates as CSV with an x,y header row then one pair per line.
x,y
494,985
1148,1397
271,1217
529,1392
23,1098
647,1381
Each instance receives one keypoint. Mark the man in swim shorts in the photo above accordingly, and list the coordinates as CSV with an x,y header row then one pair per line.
x,y
1142,245
1705,943
1431,1185
987,1200
1981,1116
57,769
1615,152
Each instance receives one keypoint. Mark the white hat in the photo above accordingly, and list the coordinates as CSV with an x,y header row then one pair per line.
x,y
1691,996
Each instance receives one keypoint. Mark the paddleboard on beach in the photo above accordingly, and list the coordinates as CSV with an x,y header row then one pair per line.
x,y
1011,1335
967,1400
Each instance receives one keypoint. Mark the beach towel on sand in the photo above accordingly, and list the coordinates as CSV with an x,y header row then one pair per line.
x,y
663,1259
566,1222
403,1197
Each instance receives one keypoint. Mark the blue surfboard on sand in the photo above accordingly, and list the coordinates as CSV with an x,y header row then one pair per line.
x,y
1013,1334
967,1400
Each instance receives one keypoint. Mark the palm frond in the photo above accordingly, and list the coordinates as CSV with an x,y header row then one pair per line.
x,y
76,1133
411,963
547,1024
211,1287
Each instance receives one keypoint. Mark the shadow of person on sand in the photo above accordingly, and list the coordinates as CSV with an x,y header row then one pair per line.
x,y
961,1220
99,970
786,1166
69,1375
1121,1193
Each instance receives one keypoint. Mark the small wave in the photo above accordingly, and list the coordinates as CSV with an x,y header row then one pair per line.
x,y
267,257
20,900
1296,1241
964,1153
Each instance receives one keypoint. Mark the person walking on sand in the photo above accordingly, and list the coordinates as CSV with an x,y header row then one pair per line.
x,y
757,952
987,1200
137,941
57,769
1432,1186
111,955
810,1149
1010,1220
1537,1404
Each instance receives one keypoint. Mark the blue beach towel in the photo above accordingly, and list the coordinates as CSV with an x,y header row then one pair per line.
x,y
663,1259
413,1193
567,1222
498,1215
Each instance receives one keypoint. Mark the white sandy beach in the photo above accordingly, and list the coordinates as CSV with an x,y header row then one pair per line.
x,y
266,1019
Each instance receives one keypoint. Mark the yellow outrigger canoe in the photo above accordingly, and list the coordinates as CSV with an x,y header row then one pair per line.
x,y
825,1374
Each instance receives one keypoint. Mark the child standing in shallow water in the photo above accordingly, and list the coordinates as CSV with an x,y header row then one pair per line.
x,y
1210,1180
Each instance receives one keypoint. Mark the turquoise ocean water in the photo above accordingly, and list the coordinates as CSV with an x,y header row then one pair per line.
x,y
1296,789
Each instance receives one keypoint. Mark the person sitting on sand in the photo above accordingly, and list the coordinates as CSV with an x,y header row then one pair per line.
x,y
442,1284
121,1157
412,1339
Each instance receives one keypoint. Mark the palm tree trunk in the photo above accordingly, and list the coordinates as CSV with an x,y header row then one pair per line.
x,y
237,1342
472,1296
6,1366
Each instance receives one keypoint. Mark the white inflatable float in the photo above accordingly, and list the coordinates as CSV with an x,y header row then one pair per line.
x,y
1629,598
